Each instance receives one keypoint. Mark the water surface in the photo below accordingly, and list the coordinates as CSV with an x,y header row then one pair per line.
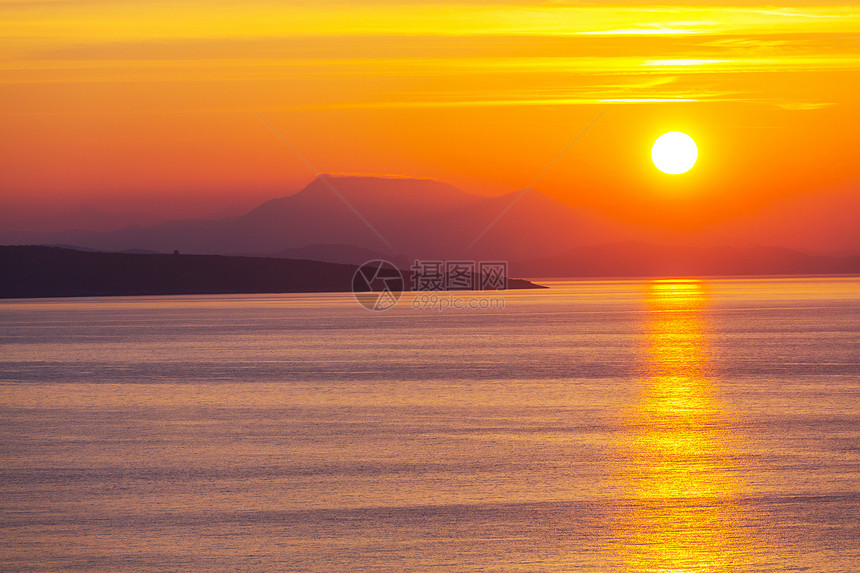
x,y
677,425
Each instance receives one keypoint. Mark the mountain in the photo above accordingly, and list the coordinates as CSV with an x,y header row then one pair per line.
x,y
350,219
319,214
414,218
631,259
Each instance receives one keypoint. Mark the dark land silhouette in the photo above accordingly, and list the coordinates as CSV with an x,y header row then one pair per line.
x,y
36,271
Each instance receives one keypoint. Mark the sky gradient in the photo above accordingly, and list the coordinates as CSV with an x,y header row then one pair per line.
x,y
154,102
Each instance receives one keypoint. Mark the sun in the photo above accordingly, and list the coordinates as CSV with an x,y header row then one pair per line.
x,y
674,153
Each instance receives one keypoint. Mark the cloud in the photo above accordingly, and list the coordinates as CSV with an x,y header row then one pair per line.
x,y
803,106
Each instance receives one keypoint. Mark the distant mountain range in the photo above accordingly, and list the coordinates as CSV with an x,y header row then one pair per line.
x,y
418,218
351,219
631,259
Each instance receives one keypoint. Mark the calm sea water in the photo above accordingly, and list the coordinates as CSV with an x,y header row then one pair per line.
x,y
597,426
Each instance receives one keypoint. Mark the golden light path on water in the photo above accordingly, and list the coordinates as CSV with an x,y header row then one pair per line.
x,y
681,480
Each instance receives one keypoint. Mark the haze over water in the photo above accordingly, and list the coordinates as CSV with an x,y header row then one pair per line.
x,y
675,425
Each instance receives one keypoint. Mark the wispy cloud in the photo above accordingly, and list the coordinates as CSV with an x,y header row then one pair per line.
x,y
796,14
126,20
423,54
803,106
645,31
673,63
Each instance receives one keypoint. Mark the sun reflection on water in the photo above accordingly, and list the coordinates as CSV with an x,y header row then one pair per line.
x,y
680,478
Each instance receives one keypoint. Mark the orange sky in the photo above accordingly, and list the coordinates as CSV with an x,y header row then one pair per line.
x,y
126,101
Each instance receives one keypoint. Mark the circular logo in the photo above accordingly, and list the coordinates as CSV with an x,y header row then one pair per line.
x,y
377,285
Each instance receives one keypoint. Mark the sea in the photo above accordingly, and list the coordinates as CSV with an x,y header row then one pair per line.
x,y
667,425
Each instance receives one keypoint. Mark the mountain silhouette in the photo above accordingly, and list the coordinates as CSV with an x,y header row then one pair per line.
x,y
350,219
407,217
633,259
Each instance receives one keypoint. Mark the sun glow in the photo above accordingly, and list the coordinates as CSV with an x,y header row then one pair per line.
x,y
674,153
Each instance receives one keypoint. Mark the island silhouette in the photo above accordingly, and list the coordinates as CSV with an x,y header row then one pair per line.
x,y
37,271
